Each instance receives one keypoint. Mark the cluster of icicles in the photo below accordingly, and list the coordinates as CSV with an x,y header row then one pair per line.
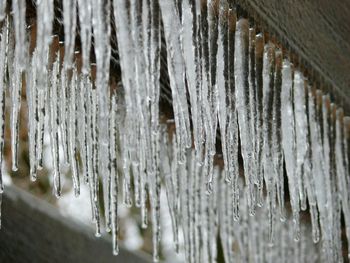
x,y
223,76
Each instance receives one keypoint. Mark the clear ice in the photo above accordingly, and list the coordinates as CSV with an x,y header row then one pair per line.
x,y
245,128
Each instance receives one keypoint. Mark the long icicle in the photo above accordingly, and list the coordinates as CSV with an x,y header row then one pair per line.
x,y
73,130
268,103
242,104
53,90
3,66
20,62
288,140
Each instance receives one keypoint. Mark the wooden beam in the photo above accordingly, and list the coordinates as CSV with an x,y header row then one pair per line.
x,y
318,31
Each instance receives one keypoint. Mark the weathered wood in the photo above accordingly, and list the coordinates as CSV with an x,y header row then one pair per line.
x,y
34,231
318,31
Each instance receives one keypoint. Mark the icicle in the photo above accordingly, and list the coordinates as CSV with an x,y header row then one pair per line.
x,y
64,114
45,15
259,51
85,21
73,130
190,47
314,222
19,14
131,130
143,187
154,89
169,182
94,182
3,66
69,24
268,123
155,205
102,31
209,35
176,74
277,151
113,175
144,149
126,172
53,97
184,170
31,100
232,122
15,81
288,141
301,135
335,198
318,171
252,103
341,166
82,116
41,98
326,133
111,155
222,84
307,165
16,91
242,103
20,62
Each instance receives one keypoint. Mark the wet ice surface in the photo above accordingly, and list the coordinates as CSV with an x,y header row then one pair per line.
x,y
225,79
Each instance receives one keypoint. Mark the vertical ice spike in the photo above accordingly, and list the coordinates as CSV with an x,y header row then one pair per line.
x,y
101,23
301,134
16,91
288,140
242,105
73,131
94,182
15,81
19,15
69,24
252,103
54,107
190,47
232,122
20,62
259,51
223,83
85,22
114,185
64,114
327,216
277,151
32,117
130,132
268,125
45,15
3,82
176,75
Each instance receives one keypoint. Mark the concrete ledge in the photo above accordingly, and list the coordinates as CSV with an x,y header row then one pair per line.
x,y
34,231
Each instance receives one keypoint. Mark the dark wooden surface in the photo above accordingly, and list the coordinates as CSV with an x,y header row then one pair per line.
x,y
318,31
34,231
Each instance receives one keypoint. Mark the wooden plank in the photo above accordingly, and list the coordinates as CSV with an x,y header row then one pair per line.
x,y
318,31
34,231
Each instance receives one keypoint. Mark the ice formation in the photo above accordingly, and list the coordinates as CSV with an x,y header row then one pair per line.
x,y
234,94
